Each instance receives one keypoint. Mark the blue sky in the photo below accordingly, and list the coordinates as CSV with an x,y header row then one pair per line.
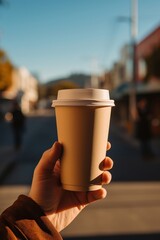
x,y
55,38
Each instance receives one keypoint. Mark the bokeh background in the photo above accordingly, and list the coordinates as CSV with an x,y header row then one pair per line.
x,y
50,45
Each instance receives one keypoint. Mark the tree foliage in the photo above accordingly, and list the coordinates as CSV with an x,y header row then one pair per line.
x,y
49,90
5,71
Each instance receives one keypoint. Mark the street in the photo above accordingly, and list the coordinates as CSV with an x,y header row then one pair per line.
x,y
134,193
40,133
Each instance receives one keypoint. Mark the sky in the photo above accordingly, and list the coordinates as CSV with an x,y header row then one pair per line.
x,y
56,38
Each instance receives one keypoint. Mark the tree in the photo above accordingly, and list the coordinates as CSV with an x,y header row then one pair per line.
x,y
5,71
64,84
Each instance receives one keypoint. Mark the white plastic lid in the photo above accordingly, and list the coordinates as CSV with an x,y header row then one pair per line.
x,y
83,97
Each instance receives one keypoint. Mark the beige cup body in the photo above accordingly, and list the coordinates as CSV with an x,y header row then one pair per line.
x,y
83,131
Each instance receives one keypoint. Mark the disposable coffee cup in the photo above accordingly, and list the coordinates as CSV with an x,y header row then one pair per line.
x,y
82,119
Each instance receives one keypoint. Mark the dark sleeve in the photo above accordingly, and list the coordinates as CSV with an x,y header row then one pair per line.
x,y
25,220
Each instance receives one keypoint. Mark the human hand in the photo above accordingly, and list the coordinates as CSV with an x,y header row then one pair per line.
x,y
62,206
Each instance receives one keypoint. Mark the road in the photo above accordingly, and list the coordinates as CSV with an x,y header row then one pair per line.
x,y
132,208
41,133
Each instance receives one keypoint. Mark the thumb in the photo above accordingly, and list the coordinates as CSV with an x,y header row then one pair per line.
x,y
49,158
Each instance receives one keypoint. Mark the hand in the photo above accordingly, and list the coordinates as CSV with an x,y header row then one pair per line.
x,y
59,205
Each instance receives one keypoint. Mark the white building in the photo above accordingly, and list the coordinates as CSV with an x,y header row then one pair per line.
x,y
24,88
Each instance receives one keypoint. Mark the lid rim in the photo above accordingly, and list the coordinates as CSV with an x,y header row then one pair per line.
x,y
83,97
82,94
108,102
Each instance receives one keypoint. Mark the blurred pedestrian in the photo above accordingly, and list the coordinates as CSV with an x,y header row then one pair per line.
x,y
18,124
143,129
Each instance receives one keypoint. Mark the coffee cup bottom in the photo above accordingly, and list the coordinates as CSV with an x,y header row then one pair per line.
x,y
81,188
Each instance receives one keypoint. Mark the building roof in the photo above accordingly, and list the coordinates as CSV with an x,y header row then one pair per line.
x,y
146,46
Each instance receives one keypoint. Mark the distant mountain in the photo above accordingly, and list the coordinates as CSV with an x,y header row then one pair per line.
x,y
81,80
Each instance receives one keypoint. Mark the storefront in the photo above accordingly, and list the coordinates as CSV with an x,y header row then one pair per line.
x,y
150,92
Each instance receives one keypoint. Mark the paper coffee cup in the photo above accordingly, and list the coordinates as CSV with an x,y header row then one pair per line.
x,y
82,118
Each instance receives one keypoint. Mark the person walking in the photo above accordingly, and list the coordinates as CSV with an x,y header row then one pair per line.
x,y
143,129
18,125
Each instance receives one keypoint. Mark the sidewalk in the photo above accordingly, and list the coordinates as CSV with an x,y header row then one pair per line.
x,y
130,209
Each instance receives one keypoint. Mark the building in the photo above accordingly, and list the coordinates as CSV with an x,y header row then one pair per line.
x,y
24,88
148,75
147,82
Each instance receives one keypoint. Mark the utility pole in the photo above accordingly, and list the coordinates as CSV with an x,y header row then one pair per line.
x,y
134,32
133,20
